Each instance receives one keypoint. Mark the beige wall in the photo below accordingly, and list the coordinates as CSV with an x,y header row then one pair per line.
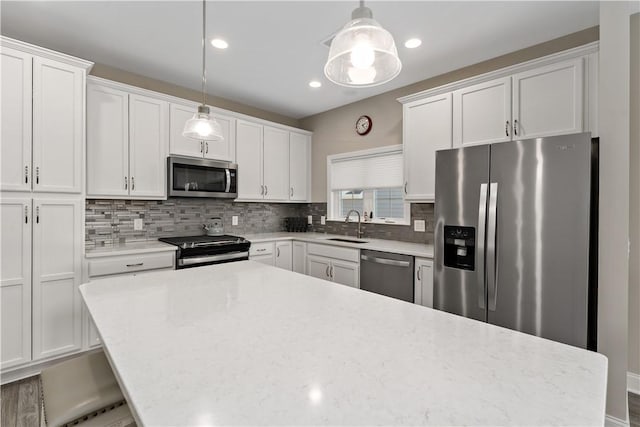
x,y
334,129
634,200
115,74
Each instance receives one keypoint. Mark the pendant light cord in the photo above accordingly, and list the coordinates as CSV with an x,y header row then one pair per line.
x,y
204,67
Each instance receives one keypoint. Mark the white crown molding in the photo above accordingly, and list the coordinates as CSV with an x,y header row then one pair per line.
x,y
633,382
7,42
175,100
504,72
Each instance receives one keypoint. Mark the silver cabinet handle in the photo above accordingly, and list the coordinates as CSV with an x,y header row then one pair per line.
x,y
262,190
506,128
327,271
206,147
405,187
26,214
266,190
133,183
331,271
202,146
291,192
26,174
136,265
126,183
419,270
37,174
492,285
515,127
277,252
37,214
482,223
260,250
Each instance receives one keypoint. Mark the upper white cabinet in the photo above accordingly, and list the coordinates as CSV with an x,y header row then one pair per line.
x,y
554,95
482,113
427,128
299,166
275,164
249,155
43,131
549,100
127,140
182,146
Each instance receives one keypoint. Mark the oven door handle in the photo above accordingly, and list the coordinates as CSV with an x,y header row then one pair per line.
x,y
212,258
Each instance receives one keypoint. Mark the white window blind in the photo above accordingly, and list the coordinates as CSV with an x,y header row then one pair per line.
x,y
382,170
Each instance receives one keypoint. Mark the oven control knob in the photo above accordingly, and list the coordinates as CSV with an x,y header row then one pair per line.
x,y
193,245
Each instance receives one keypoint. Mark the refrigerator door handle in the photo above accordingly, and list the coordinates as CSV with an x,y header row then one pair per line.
x,y
492,286
482,224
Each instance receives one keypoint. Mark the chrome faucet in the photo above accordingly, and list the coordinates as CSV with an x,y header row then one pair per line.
x,y
360,233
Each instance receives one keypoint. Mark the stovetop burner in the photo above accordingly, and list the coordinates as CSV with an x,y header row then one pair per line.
x,y
203,241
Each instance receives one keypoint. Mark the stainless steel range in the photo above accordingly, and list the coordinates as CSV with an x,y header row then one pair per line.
x,y
196,251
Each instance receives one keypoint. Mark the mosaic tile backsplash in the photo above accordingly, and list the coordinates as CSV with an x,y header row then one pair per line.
x,y
111,221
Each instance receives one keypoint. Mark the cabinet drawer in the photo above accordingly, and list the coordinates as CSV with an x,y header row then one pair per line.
x,y
336,252
130,263
265,248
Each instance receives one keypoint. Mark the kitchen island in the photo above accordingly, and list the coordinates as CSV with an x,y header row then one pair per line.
x,y
248,344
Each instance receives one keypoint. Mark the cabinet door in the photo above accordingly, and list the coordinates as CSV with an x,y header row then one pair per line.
x,y
148,131
178,144
284,255
424,282
57,255
15,282
58,126
345,273
107,141
15,131
427,128
263,259
276,164
319,267
482,113
249,159
299,166
548,100
300,257
225,149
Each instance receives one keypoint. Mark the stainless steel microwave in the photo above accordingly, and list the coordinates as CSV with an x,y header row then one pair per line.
x,y
190,177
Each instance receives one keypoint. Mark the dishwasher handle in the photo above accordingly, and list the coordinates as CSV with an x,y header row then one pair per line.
x,y
385,261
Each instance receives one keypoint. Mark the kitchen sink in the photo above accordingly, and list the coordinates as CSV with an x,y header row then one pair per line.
x,y
338,239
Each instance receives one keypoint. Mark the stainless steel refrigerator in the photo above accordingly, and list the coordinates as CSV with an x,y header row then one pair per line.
x,y
516,236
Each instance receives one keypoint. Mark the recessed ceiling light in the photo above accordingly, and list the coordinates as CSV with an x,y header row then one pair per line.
x,y
412,43
219,44
315,83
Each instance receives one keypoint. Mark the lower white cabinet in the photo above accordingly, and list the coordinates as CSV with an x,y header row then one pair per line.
x,y
335,264
423,290
300,257
263,252
284,255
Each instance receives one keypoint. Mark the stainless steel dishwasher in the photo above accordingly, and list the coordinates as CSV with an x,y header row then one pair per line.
x,y
387,274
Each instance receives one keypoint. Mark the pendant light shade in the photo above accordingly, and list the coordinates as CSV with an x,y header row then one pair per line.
x,y
202,126
363,53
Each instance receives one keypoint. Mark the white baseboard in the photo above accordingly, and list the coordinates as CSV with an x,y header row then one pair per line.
x,y
610,421
633,382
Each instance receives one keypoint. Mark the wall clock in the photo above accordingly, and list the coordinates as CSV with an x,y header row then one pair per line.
x,y
363,125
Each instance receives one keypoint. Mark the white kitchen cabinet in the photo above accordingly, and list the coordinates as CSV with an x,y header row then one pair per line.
x,y
284,255
345,273
57,257
127,139
300,257
183,146
423,289
549,100
263,252
15,136
336,264
148,132
482,113
426,129
43,130
15,281
249,154
299,166
275,164
319,267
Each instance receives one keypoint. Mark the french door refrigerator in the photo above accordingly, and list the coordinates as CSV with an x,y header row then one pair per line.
x,y
516,236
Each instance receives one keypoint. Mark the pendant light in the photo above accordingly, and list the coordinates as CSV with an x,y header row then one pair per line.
x,y
362,54
202,126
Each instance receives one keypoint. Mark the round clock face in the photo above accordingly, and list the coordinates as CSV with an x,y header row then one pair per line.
x,y
363,125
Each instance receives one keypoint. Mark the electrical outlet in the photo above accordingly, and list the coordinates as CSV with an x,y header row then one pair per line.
x,y
323,220
234,220
138,224
419,225
310,220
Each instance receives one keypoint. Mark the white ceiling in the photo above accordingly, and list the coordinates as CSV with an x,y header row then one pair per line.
x,y
276,47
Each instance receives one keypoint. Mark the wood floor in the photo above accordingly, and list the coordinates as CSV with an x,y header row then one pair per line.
x,y
21,404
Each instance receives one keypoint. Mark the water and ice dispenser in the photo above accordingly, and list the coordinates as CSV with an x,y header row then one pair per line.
x,y
460,247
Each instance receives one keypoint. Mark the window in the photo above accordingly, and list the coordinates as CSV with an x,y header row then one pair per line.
x,y
368,181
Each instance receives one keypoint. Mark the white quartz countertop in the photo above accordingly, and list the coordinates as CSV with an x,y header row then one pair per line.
x,y
248,344
129,249
393,246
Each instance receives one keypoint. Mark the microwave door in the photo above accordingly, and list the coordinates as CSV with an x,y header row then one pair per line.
x,y
200,178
